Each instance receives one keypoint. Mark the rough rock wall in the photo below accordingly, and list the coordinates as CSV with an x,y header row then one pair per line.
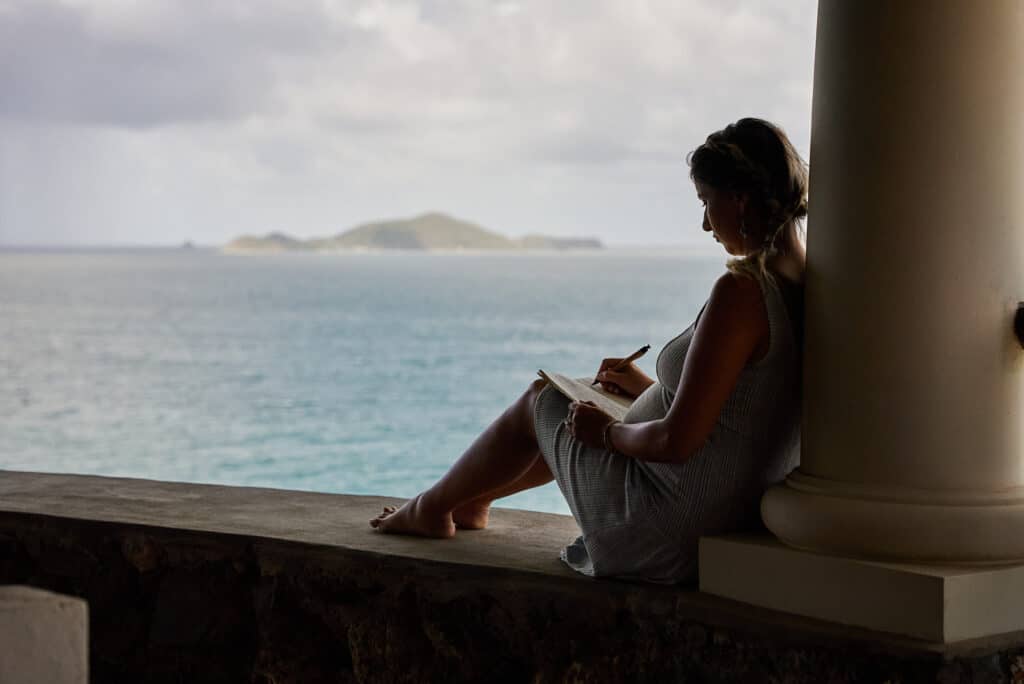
x,y
173,606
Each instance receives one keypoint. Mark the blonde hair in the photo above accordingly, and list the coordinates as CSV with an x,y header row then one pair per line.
x,y
755,157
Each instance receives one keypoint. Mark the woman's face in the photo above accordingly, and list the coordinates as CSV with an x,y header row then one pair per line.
x,y
723,211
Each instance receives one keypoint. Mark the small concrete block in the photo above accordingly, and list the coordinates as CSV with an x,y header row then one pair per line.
x,y
44,637
942,604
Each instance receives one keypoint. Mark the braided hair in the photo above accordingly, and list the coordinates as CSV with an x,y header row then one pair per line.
x,y
754,157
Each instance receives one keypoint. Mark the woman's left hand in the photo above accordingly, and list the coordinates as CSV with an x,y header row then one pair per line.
x,y
586,422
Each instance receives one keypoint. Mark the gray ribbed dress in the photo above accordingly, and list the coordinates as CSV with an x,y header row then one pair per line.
x,y
642,520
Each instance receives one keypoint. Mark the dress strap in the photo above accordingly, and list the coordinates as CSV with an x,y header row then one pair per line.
x,y
779,329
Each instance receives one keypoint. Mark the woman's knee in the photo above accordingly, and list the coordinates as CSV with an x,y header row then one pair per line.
x,y
528,401
533,391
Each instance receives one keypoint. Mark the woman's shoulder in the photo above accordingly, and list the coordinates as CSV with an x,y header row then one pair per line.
x,y
736,310
736,289
739,293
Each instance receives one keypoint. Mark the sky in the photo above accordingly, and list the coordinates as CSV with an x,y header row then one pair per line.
x,y
152,122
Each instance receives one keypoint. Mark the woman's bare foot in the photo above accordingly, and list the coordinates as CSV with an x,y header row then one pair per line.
x,y
472,516
413,519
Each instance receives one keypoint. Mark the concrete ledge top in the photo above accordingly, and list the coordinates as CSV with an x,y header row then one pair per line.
x,y
518,540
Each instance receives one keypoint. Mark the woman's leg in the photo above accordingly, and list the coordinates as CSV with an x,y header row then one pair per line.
x,y
499,457
474,515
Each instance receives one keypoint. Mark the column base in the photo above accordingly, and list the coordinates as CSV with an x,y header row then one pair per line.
x,y
938,604
926,526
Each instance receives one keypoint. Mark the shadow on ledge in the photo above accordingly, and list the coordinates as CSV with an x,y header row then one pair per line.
x,y
204,583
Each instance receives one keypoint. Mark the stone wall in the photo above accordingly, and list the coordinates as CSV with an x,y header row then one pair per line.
x,y
171,606
185,605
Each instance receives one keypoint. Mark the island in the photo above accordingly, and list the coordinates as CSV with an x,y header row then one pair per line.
x,y
428,232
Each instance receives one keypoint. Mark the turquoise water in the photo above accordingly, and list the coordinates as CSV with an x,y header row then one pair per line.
x,y
357,373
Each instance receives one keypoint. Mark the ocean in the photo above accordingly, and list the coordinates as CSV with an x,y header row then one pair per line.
x,y
357,373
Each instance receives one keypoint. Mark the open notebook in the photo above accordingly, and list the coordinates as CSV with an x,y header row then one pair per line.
x,y
580,389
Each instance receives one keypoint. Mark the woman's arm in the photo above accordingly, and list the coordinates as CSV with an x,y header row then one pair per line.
x,y
732,329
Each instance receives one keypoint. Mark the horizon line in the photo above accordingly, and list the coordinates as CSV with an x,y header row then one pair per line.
x,y
211,246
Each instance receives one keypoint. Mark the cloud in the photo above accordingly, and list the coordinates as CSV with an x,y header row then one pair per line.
x,y
104,65
521,114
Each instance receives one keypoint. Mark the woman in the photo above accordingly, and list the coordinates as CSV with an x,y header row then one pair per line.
x,y
701,443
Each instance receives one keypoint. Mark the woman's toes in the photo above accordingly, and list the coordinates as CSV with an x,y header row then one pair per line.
x,y
386,513
413,519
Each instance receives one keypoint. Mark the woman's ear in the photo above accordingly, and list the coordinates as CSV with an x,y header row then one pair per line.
x,y
740,198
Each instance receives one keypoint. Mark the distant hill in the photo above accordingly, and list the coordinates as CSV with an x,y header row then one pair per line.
x,y
271,242
426,232
545,242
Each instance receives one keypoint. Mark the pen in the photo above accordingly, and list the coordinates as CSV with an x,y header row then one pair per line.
x,y
626,361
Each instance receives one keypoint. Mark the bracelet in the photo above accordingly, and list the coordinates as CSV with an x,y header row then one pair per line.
x,y
606,436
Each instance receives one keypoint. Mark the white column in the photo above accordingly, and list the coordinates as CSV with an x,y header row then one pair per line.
x,y
913,430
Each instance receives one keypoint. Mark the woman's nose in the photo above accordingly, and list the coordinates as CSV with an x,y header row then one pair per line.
x,y
707,224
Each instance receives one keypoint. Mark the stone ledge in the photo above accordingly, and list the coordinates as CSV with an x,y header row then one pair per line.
x,y
207,583
516,540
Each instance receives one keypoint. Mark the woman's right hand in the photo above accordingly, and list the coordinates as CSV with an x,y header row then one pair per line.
x,y
628,382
